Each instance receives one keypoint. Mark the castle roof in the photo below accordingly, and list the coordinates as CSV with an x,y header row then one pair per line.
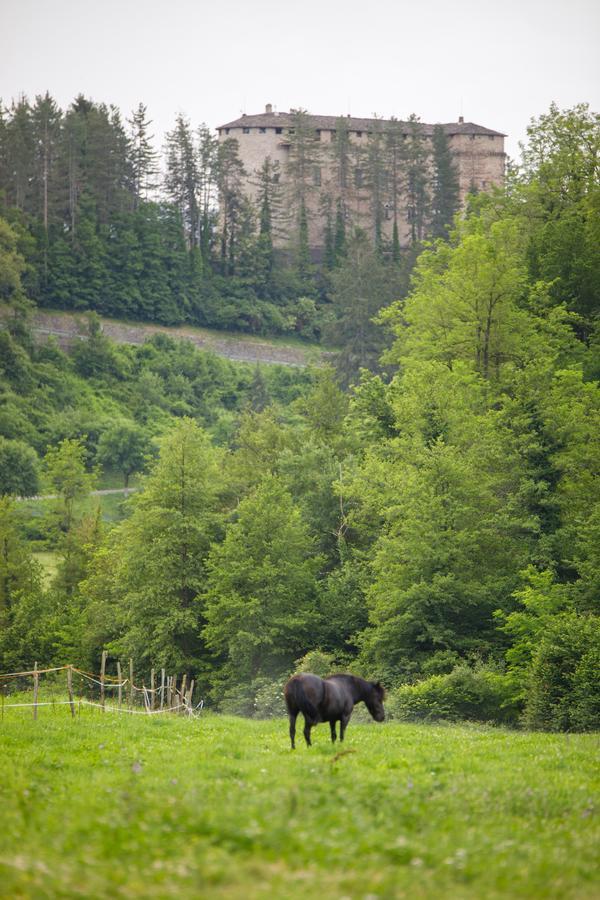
x,y
330,123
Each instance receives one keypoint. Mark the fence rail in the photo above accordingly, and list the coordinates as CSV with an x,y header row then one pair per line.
x,y
173,695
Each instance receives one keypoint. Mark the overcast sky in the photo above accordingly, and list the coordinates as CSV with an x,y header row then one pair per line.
x,y
497,63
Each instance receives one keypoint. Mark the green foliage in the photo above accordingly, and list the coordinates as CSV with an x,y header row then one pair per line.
x,y
19,469
444,510
123,446
319,662
564,683
360,288
261,583
480,694
145,583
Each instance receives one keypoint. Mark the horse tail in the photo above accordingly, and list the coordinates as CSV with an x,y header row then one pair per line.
x,y
297,700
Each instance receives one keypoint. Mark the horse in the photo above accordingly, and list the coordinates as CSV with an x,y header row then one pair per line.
x,y
330,699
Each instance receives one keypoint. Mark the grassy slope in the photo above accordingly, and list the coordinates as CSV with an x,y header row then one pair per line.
x,y
219,807
310,349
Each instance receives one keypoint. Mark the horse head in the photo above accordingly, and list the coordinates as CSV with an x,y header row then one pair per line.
x,y
374,701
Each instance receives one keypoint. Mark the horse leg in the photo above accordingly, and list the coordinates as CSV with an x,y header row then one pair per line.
x,y
333,734
307,727
343,724
293,717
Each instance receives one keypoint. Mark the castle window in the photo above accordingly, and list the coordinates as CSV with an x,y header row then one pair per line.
x,y
275,178
279,131
263,130
316,176
246,130
227,131
358,178
359,134
318,134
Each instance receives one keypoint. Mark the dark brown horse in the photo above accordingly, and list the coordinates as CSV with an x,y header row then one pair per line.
x,y
330,699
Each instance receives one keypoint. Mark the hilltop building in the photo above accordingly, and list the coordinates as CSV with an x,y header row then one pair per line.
x,y
337,165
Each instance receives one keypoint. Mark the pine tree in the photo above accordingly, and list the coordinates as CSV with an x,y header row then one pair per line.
x,y
445,196
182,178
416,168
394,148
142,156
233,210
377,179
339,242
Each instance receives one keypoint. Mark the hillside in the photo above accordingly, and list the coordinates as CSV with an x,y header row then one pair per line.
x,y
67,327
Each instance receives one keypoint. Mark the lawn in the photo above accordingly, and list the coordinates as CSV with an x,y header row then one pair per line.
x,y
108,805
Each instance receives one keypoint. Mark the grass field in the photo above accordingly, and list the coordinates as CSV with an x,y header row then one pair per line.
x,y
106,805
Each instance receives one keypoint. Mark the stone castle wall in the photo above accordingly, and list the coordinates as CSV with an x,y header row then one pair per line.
x,y
478,154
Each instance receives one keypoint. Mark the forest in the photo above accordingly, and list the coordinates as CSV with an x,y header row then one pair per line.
x,y
118,227
426,511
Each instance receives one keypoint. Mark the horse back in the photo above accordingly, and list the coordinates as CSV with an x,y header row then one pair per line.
x,y
304,693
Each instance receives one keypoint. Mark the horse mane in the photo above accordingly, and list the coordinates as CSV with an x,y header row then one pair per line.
x,y
376,685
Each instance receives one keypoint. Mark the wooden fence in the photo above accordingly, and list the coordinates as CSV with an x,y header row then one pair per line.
x,y
164,693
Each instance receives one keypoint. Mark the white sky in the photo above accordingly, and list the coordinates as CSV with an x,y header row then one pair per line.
x,y
497,63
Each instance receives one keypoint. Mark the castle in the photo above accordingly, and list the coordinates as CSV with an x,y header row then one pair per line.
x,y
328,180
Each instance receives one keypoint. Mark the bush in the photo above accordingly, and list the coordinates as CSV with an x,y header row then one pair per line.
x,y
481,694
318,662
260,699
269,702
564,687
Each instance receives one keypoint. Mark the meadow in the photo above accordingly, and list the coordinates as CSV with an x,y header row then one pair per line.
x,y
132,806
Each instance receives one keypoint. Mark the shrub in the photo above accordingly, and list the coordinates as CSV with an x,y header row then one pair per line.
x,y
319,662
269,702
564,685
260,699
479,694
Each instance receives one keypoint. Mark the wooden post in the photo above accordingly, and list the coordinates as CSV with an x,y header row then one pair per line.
x,y
70,689
131,683
102,673
190,697
152,686
182,689
169,691
120,688
36,685
162,688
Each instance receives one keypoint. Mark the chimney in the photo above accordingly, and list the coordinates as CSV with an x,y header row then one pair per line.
x,y
268,108
461,120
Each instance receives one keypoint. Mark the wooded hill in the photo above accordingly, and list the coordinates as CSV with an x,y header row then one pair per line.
x,y
432,520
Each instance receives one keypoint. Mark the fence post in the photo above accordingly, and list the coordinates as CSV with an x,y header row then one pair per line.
x,y
120,683
70,689
182,689
36,685
131,684
102,671
152,686
190,697
162,688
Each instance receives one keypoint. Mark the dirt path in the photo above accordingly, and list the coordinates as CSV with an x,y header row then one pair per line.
x,y
67,327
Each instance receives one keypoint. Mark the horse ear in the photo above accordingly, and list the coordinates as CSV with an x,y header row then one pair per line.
x,y
380,688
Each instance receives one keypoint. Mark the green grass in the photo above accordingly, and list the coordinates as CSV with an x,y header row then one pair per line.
x,y
228,336
108,805
110,506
